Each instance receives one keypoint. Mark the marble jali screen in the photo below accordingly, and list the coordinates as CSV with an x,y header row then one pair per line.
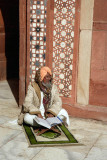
x,y
63,41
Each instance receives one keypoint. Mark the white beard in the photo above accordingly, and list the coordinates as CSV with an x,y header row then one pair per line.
x,y
47,85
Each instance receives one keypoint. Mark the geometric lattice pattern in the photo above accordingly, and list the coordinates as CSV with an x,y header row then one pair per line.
x,y
37,35
63,42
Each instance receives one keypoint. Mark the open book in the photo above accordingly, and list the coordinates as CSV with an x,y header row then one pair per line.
x,y
49,122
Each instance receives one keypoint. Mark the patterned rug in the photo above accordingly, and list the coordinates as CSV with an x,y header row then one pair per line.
x,y
49,138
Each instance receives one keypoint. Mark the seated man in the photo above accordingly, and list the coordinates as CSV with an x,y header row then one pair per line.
x,y
42,99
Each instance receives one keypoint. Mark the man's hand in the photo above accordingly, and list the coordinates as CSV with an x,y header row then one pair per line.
x,y
50,115
40,116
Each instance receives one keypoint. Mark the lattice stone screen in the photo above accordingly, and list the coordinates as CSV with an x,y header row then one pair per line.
x,y
63,42
37,35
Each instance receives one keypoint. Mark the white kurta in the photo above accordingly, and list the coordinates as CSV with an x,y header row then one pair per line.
x,y
29,119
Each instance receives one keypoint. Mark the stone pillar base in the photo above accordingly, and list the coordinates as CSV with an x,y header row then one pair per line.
x,y
88,112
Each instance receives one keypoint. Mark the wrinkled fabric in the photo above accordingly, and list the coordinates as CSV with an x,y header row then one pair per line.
x,y
64,116
29,119
42,109
32,102
41,99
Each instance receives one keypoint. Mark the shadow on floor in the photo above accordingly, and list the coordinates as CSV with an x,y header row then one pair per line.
x,y
14,85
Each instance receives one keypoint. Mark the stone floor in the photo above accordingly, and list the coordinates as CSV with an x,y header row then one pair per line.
x,y
13,144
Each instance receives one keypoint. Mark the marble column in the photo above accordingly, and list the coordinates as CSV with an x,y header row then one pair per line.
x,y
86,21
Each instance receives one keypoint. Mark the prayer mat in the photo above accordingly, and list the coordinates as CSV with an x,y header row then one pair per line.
x,y
49,138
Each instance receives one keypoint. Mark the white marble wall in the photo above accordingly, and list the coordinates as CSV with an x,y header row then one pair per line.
x,y
86,21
